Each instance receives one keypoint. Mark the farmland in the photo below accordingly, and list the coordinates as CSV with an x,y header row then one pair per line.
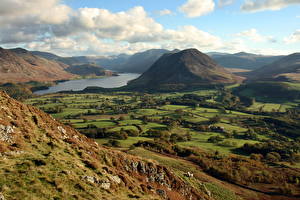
x,y
136,115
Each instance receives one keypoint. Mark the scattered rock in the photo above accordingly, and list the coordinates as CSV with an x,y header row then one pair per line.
x,y
115,179
90,179
5,133
62,130
189,174
105,184
161,193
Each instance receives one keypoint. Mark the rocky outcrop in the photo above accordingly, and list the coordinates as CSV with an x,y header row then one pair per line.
x,y
6,133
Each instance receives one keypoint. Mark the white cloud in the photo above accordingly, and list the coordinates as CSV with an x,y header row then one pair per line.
x,y
92,30
197,8
261,5
165,12
294,38
225,2
49,25
253,35
46,11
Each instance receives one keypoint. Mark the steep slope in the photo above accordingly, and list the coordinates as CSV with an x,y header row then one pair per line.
x,y
42,159
184,69
89,69
243,60
285,69
19,65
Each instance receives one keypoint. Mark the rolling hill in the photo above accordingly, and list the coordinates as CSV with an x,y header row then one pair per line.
x,y
187,68
89,69
19,65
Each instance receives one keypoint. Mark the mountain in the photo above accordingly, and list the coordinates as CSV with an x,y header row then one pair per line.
x,y
109,62
243,60
187,68
89,69
40,158
285,69
136,63
141,62
19,65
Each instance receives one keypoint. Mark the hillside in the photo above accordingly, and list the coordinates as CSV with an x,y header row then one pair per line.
x,y
19,65
43,159
187,68
285,69
89,69
242,60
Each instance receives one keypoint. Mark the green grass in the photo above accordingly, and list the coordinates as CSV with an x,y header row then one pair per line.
x,y
125,143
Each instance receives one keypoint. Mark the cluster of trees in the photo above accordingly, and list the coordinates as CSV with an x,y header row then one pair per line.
x,y
275,150
93,132
233,169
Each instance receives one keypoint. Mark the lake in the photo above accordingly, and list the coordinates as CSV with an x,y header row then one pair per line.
x,y
105,82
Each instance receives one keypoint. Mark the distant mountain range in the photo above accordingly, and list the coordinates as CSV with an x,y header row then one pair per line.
x,y
285,69
243,60
136,63
141,62
180,70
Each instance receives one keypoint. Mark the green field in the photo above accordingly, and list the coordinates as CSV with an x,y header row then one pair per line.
x,y
123,111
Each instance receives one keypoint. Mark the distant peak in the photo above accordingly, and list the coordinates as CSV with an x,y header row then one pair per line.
x,y
19,50
242,53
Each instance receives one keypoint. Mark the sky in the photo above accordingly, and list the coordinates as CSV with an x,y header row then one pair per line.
x,y
111,27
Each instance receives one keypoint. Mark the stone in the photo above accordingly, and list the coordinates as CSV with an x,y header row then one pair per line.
x,y
62,130
161,193
142,167
189,174
134,166
115,179
105,184
160,177
5,133
90,179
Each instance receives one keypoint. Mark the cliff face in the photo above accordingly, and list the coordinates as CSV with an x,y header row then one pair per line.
x,y
19,65
42,159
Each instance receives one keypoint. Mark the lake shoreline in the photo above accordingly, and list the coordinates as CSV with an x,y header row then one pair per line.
x,y
80,84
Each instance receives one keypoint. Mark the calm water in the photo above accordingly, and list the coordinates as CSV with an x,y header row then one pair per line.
x,y
105,82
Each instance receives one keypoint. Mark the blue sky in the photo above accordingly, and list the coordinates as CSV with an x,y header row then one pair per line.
x,y
129,26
